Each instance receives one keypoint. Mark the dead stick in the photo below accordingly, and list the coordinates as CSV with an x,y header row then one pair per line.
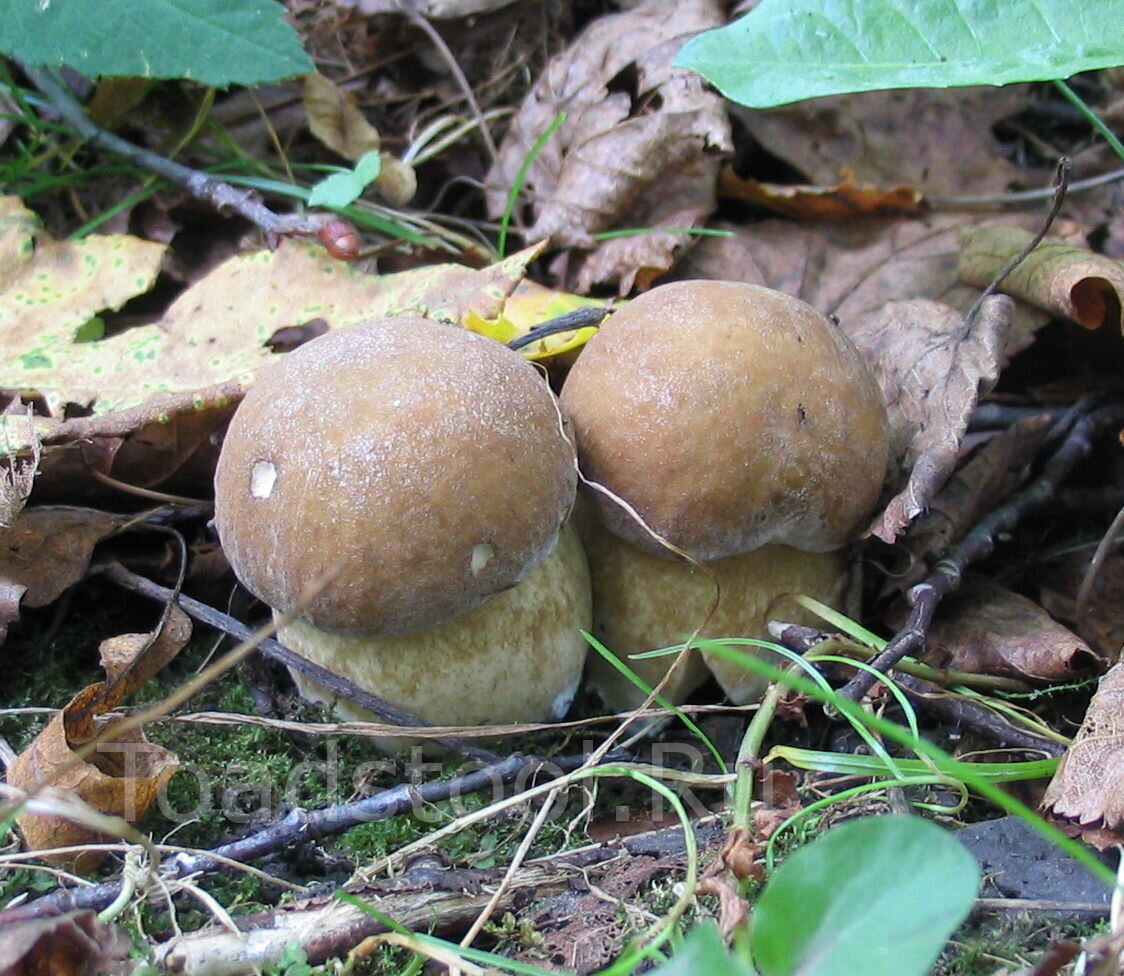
x,y
980,543
200,185
276,651
299,826
959,711
430,897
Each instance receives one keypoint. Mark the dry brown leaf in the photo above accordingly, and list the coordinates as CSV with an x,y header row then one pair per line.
x,y
851,269
115,99
1088,786
842,201
77,944
639,147
932,368
125,774
158,392
987,629
336,120
1066,280
1103,626
986,479
45,550
938,141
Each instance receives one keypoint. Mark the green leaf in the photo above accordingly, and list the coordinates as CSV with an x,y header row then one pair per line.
x,y
345,187
368,167
877,896
787,50
337,190
216,42
703,951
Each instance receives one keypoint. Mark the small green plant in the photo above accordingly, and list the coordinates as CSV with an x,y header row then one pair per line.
x,y
293,962
343,187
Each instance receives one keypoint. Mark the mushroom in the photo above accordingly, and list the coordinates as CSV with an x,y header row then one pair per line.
x,y
743,428
419,475
643,601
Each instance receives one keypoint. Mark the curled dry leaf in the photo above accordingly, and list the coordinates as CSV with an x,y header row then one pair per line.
x,y
1064,279
1088,786
639,147
932,367
125,773
77,944
987,629
44,551
844,200
336,120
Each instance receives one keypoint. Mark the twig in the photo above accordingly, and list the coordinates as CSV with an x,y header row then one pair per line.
x,y
299,826
425,896
579,318
1061,181
410,9
200,185
1000,416
1085,590
980,543
276,651
1024,196
964,713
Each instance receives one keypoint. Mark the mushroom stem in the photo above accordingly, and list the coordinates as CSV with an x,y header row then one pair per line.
x,y
517,658
643,602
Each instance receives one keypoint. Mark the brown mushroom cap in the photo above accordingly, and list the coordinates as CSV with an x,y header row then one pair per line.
x,y
729,415
425,465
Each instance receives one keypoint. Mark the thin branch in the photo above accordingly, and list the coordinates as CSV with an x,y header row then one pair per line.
x,y
579,318
276,651
980,542
300,826
200,185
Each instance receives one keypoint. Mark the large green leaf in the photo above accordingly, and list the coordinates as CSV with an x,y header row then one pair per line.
x,y
787,50
703,951
216,42
877,896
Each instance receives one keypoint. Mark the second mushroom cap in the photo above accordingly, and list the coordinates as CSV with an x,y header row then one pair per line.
x,y
729,416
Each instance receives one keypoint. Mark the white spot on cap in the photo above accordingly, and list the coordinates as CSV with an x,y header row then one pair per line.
x,y
482,554
263,476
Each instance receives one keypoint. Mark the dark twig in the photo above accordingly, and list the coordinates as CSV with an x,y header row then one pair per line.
x,y
980,542
579,318
1096,565
955,709
967,714
200,185
276,651
299,826
1061,181
999,416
